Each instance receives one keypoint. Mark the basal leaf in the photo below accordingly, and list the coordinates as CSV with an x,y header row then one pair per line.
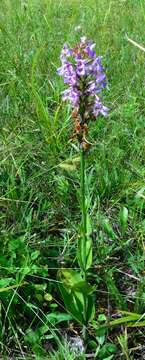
x,y
90,308
73,306
76,295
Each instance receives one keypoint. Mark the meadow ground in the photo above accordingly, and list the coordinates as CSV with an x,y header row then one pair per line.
x,y
39,180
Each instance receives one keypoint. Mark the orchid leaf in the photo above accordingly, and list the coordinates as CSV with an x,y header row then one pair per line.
x,y
84,253
76,295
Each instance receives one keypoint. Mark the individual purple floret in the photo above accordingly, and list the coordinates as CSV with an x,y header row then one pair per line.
x,y
83,73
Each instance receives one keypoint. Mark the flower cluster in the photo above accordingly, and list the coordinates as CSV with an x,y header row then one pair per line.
x,y
84,76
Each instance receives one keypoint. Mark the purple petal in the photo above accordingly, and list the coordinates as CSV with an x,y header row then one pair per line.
x,y
66,52
104,111
89,50
81,67
99,107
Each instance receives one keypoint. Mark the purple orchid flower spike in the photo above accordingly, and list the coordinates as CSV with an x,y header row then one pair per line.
x,y
84,75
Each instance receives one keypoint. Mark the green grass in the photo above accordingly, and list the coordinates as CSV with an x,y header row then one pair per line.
x,y
39,209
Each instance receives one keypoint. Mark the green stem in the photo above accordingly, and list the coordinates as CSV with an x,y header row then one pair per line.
x,y
84,230
83,206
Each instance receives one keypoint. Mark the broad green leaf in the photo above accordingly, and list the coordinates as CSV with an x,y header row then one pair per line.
x,y
71,305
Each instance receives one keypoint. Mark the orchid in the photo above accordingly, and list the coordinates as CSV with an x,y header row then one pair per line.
x,y
84,77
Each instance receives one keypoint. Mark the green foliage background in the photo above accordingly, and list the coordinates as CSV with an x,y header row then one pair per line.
x,y
39,210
